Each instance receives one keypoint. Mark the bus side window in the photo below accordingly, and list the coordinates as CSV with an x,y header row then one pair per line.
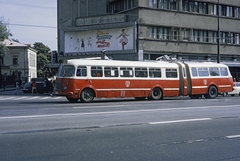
x,y
194,72
111,72
171,73
81,71
155,72
214,71
126,72
96,71
202,72
141,72
224,71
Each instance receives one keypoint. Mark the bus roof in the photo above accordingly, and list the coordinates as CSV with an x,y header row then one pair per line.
x,y
121,63
124,63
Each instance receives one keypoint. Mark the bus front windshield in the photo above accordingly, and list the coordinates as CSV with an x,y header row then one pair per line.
x,y
66,71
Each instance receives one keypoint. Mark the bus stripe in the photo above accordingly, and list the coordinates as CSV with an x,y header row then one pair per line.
x,y
171,89
124,89
199,87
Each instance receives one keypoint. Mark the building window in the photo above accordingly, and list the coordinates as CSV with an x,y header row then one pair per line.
x,y
237,15
185,5
174,33
212,36
173,5
237,38
195,35
229,11
153,33
153,3
186,34
15,60
202,7
194,6
163,33
214,9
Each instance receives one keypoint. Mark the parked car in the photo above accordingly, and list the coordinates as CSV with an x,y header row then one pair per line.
x,y
236,89
42,85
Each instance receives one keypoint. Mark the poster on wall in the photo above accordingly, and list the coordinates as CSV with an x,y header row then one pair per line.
x,y
97,40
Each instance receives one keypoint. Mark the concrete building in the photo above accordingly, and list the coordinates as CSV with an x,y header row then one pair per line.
x,y
19,63
147,29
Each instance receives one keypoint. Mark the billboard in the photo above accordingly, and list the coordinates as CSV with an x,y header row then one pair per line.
x,y
97,40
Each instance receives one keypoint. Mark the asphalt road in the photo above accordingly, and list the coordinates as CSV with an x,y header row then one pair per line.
x,y
40,127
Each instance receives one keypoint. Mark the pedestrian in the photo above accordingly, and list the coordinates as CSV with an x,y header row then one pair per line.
x,y
17,91
52,84
4,84
34,87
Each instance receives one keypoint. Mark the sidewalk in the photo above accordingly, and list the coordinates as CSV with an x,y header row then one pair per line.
x,y
10,88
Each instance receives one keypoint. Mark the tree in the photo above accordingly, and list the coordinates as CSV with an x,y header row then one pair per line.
x,y
43,58
4,34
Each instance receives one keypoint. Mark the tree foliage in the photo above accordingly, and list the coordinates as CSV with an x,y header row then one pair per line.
x,y
4,34
43,58
41,48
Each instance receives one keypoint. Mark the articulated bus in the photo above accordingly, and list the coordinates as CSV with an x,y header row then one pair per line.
x,y
87,79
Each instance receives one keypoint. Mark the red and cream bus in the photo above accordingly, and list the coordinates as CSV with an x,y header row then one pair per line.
x,y
87,79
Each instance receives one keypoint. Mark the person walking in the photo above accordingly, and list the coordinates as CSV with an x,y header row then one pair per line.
x,y
52,84
34,87
17,91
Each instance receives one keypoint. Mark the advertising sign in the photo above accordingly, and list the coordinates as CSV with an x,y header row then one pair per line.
x,y
97,40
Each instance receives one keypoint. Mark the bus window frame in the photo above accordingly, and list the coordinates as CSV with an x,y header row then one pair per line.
x,y
81,71
171,72
203,71
155,72
96,71
111,72
225,71
214,71
66,71
141,72
126,72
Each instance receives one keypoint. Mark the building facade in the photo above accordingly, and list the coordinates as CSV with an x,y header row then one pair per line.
x,y
192,30
19,63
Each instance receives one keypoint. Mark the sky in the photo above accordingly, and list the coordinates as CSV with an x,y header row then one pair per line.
x,y
31,21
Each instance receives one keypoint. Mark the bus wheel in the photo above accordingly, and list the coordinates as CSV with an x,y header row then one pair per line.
x,y
73,100
87,95
212,92
156,94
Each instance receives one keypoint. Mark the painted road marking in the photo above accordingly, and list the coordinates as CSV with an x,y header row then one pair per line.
x,y
233,136
179,121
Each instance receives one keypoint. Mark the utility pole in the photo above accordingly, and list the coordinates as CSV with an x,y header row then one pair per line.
x,y
218,36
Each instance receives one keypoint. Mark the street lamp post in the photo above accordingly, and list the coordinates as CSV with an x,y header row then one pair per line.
x,y
218,36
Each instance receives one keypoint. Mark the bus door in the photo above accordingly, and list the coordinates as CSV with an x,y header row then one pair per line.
x,y
184,81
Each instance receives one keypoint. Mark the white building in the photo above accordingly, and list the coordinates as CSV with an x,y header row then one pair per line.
x,y
19,62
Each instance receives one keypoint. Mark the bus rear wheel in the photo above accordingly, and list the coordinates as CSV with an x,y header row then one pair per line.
x,y
87,95
156,94
212,92
73,100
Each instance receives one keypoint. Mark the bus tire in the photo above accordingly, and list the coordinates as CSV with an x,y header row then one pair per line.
x,y
72,100
156,94
212,92
87,95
